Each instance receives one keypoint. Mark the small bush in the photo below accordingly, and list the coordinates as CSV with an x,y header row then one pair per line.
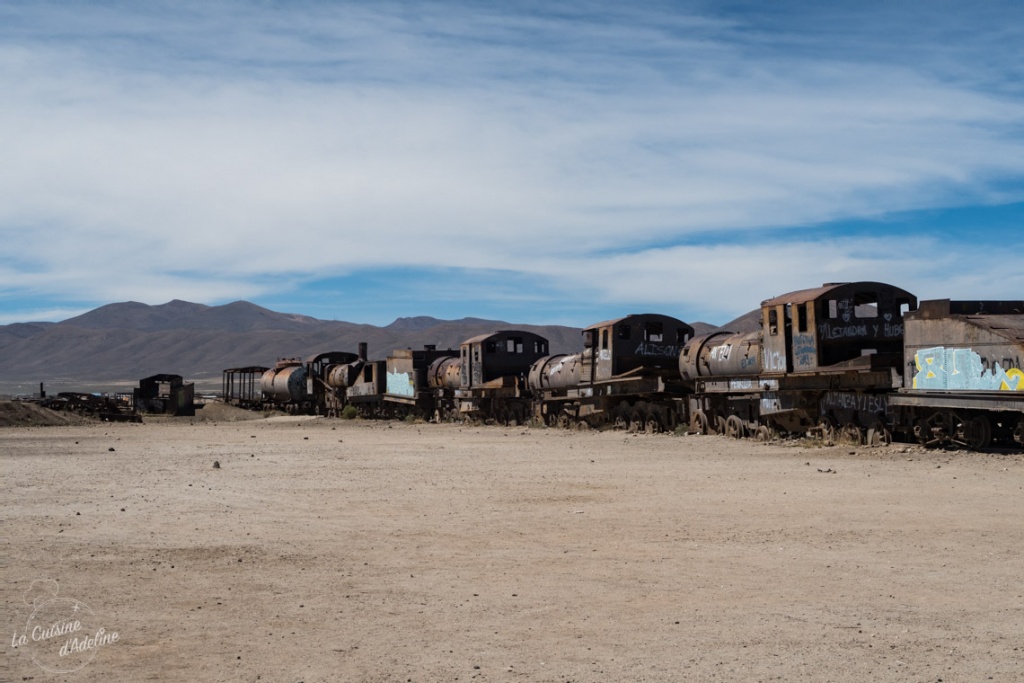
x,y
349,412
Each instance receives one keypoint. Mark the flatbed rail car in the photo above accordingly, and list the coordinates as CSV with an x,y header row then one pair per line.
x,y
240,387
964,374
824,359
627,376
487,381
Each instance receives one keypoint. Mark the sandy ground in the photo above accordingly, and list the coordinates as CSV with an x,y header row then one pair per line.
x,y
354,551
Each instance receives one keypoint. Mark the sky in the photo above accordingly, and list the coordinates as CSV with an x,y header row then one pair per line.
x,y
532,162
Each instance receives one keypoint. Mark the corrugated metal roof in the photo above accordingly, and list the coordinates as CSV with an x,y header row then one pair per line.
x,y
659,316
804,295
1009,326
484,337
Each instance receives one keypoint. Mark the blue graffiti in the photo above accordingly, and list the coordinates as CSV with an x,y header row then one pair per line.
x,y
400,384
803,349
962,370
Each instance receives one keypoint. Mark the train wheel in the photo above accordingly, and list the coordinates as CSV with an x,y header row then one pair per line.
x,y
978,433
828,431
765,433
734,427
850,435
719,424
653,425
879,434
1018,432
932,431
699,423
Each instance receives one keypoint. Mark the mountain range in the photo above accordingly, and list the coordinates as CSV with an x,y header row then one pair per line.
x,y
124,342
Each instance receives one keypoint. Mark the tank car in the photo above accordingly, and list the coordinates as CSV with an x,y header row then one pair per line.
x,y
963,374
824,359
284,385
626,376
304,386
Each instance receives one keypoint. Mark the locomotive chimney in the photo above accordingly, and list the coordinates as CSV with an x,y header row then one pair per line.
x,y
362,351
429,347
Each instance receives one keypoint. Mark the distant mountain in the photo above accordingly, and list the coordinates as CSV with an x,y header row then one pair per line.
x,y
178,315
748,322
128,341
125,342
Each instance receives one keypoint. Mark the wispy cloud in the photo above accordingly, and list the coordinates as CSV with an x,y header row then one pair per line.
x,y
211,151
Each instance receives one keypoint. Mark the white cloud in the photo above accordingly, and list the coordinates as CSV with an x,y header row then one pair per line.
x,y
146,161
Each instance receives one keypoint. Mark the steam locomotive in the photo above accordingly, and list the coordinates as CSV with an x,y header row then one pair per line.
x,y
854,362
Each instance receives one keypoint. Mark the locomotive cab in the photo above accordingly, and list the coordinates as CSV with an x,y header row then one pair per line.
x,y
837,326
641,343
503,355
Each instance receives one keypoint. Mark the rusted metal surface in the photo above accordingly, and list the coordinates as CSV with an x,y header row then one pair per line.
x,y
809,330
560,371
369,383
285,382
964,374
445,373
241,386
165,394
722,354
973,351
91,405
648,340
503,353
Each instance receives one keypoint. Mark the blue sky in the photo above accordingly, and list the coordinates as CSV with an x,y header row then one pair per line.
x,y
534,162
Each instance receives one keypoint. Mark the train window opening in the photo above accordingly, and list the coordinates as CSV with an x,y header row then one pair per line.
x,y
868,352
773,322
624,332
904,308
368,373
801,318
682,336
465,352
833,309
654,332
604,339
866,305
515,345
511,345
588,339
476,354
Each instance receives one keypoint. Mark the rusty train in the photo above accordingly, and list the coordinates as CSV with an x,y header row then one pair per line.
x,y
855,363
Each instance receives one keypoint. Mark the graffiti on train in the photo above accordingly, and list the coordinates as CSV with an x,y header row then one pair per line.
x,y
875,404
660,350
804,349
400,384
964,370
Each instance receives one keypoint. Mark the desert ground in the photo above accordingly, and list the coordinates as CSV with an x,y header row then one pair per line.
x,y
332,550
